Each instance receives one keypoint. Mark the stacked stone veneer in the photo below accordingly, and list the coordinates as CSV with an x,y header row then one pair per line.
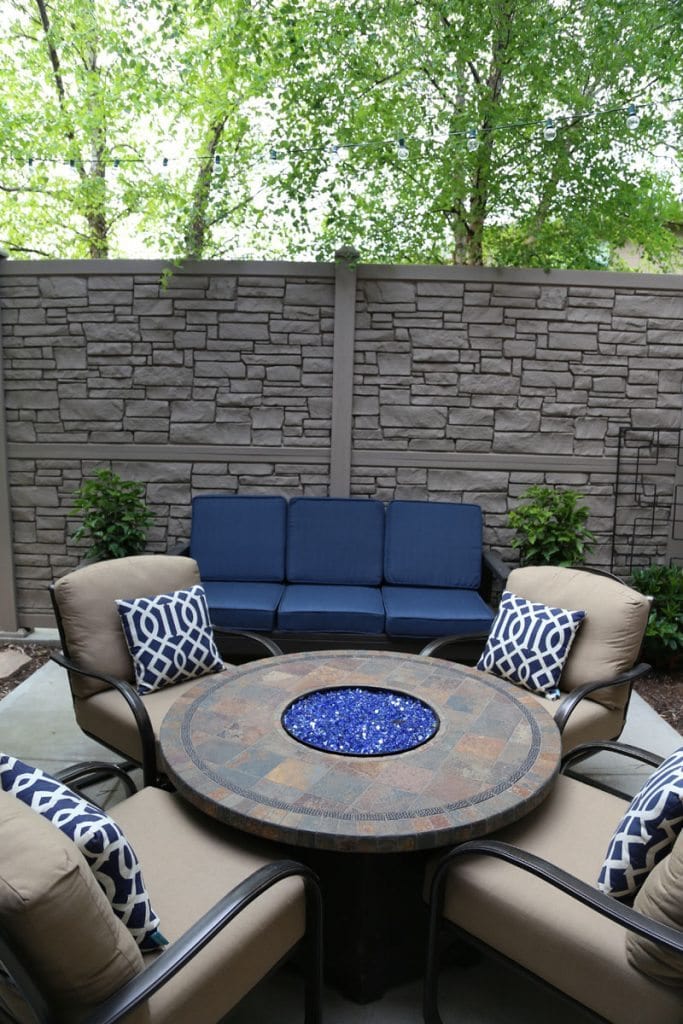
x,y
468,384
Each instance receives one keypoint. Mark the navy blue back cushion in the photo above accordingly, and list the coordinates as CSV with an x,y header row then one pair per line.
x,y
433,544
239,537
335,540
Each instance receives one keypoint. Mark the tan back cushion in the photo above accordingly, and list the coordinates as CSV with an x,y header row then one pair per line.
x,y
56,917
660,898
90,622
611,634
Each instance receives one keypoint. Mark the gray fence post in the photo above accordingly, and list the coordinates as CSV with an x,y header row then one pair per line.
x,y
342,379
8,601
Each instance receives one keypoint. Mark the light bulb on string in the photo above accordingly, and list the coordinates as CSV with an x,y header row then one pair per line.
x,y
549,130
274,155
472,141
632,117
340,153
30,165
217,162
402,150
164,164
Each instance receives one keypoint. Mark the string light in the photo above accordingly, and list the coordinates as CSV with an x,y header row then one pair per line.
x,y
471,135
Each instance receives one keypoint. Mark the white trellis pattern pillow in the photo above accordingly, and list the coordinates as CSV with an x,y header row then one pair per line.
x,y
169,637
110,856
529,643
647,831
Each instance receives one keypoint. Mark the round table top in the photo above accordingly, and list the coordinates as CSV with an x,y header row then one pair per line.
x,y
493,758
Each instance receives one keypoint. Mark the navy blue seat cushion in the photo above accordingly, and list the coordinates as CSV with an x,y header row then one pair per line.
x,y
335,541
239,537
432,611
243,605
332,609
433,544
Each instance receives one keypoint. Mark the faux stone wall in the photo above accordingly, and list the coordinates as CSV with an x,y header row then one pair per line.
x,y
468,384
521,378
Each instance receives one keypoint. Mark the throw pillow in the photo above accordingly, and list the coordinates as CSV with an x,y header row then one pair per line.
x,y
647,830
529,643
100,840
169,638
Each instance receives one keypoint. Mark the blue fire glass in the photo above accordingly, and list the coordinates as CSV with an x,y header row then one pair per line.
x,y
360,721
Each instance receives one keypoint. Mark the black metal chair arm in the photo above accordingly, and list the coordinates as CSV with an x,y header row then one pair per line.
x,y
665,935
206,928
86,772
584,750
434,646
136,705
570,701
264,641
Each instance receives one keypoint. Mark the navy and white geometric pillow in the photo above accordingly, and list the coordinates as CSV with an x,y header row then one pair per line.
x,y
529,644
647,832
110,856
169,637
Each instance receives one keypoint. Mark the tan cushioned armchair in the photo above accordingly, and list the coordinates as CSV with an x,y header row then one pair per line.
x,y
598,675
106,704
231,911
528,893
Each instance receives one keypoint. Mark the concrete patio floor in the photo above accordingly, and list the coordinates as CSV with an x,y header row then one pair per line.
x,y
37,725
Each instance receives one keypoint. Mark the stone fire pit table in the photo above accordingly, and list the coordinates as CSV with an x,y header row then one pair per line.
x,y
365,821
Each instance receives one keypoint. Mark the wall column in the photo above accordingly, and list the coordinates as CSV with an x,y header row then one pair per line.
x,y
346,260
8,602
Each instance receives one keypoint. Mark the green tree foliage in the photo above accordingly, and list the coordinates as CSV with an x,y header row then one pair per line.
x,y
130,119
371,72
78,79
245,100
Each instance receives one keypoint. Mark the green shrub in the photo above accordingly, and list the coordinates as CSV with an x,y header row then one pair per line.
x,y
550,529
664,634
115,516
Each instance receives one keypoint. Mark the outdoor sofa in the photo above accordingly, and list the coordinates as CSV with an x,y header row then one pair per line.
x,y
343,567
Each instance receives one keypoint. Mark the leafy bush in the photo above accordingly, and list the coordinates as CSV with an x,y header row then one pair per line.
x,y
115,516
664,634
550,529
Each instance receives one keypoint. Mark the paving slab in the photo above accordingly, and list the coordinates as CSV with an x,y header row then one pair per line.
x,y
10,661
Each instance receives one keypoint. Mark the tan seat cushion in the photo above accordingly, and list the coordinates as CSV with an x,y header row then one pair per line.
x,y
588,721
661,898
106,715
91,624
57,917
610,637
545,930
207,860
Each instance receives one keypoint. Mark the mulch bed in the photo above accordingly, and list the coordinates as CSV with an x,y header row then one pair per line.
x,y
662,690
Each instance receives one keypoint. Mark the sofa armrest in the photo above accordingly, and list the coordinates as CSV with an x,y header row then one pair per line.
x,y
569,703
495,570
181,548
184,949
136,705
